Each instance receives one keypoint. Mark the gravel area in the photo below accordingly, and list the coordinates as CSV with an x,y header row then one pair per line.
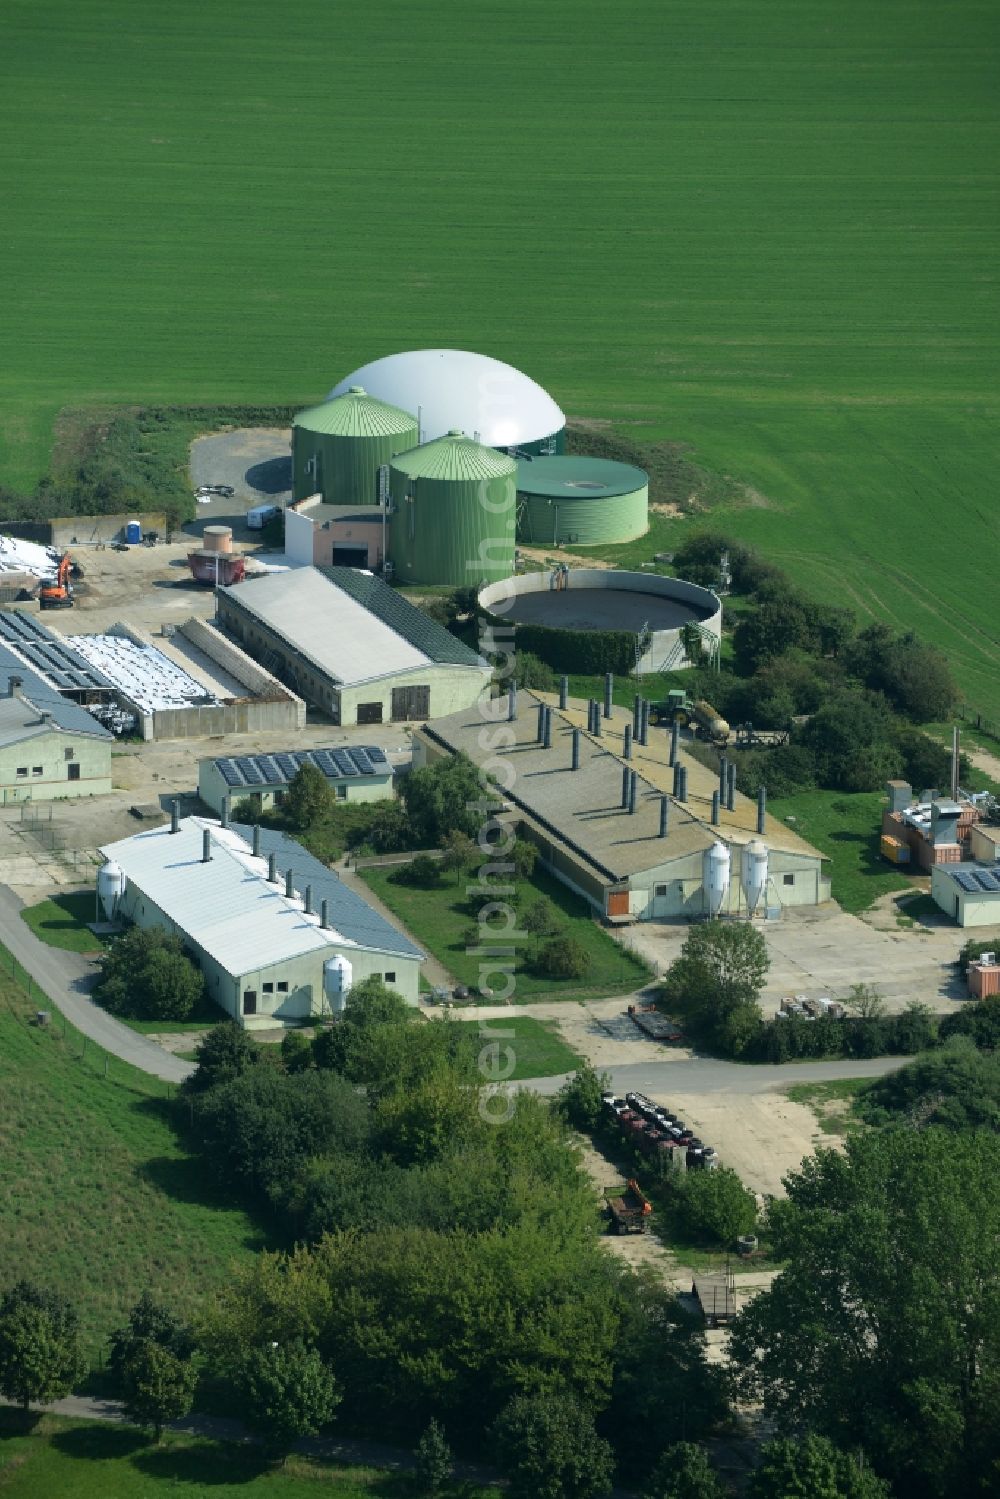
x,y
256,461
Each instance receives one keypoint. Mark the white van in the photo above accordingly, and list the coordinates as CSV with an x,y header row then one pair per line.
x,y
258,518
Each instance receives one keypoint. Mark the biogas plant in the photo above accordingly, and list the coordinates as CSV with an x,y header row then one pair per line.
x,y
434,467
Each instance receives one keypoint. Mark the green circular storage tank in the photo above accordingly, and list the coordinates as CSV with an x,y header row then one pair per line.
x,y
339,447
453,507
573,500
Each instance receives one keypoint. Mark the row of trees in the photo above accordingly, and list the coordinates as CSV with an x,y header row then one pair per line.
x,y
862,692
716,984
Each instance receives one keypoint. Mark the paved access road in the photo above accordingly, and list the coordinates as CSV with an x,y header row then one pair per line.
x,y
67,978
706,1075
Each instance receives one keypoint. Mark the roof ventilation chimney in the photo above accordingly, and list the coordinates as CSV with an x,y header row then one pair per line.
x,y
14,685
224,814
626,773
677,779
576,750
954,763
609,692
309,900
324,914
761,809
289,886
723,776
272,868
175,817
675,734
512,703
636,716
256,840
627,743
540,732
644,721
632,783
206,846
547,729
731,787
715,809
684,784
664,815
563,693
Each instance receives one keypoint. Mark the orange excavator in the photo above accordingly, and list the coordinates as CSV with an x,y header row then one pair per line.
x,y
57,593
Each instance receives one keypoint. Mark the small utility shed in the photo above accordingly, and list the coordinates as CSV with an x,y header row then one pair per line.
x,y
260,914
355,773
969,893
50,747
352,646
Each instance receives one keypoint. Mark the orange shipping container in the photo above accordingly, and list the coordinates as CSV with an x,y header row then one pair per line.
x,y
983,980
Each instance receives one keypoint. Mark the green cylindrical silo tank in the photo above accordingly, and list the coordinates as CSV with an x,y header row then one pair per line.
x,y
453,513
339,447
574,500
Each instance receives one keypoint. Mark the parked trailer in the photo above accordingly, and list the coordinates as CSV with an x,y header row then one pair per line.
x,y
715,1297
629,1209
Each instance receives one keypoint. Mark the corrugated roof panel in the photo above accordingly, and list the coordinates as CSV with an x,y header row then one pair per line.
x,y
356,414
231,910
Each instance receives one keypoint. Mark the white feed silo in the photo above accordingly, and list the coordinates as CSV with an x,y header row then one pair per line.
x,y
716,876
110,888
754,879
337,978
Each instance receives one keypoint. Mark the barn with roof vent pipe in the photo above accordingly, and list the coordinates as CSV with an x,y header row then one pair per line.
x,y
354,773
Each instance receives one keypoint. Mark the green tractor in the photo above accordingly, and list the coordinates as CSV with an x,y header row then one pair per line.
x,y
699,716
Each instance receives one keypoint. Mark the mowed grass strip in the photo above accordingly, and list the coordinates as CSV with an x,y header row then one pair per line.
x,y
439,918
846,828
87,1460
97,1197
62,921
739,228
533,1046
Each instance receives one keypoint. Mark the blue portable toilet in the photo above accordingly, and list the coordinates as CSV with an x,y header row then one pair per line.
x,y
133,532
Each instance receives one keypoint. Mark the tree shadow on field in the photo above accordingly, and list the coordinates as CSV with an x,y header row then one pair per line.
x,y
188,1180
203,1463
273,476
870,859
100,1443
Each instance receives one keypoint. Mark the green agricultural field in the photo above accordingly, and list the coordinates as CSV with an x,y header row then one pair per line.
x,y
84,1460
537,1048
763,231
439,918
97,1198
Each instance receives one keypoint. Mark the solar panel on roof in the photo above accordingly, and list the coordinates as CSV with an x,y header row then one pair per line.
x,y
965,881
229,773
363,763
344,763
324,762
375,755
288,764
250,771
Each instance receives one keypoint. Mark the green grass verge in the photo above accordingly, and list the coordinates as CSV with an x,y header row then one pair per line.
x,y
831,1102
62,922
539,1051
97,1197
88,1460
439,918
846,828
